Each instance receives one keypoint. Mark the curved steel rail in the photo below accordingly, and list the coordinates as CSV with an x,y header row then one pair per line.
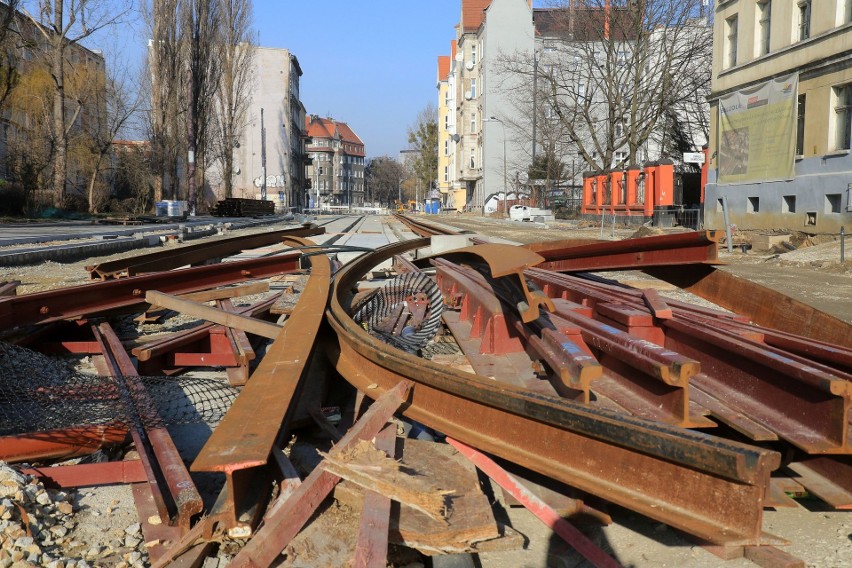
x,y
706,486
425,229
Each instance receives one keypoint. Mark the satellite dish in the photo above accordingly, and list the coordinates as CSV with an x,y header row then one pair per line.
x,y
469,65
468,95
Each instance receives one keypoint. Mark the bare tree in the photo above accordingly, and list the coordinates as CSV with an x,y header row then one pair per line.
x,y
9,38
612,73
423,138
63,23
166,79
119,105
233,96
201,23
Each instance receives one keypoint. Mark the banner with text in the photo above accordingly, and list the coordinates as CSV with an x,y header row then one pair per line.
x,y
757,132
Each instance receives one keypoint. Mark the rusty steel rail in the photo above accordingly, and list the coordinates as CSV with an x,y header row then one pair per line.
x,y
802,401
664,250
241,445
193,254
762,305
423,229
88,299
160,458
707,486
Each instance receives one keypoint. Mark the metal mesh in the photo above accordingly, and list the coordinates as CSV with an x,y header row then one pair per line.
x,y
39,393
405,312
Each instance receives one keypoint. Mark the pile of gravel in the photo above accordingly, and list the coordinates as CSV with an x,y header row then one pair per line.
x,y
37,529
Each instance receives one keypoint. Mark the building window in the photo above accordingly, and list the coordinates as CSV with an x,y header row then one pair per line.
x,y
731,41
800,126
804,19
473,54
472,158
620,158
446,173
447,121
789,204
764,18
472,122
843,111
473,88
446,147
753,205
832,203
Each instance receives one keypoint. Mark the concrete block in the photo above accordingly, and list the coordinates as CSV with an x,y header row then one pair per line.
x,y
446,243
766,242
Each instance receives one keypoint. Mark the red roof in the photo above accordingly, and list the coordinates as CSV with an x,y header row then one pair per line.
x,y
328,128
473,12
443,67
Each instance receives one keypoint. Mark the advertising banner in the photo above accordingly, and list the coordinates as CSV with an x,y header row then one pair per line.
x,y
757,132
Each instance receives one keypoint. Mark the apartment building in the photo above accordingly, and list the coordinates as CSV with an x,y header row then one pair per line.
x,y
445,180
781,118
477,140
336,162
275,77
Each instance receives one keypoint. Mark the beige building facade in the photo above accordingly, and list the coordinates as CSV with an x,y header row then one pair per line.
x,y
808,44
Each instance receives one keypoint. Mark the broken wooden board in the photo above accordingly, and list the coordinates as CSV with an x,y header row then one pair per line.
x,y
370,468
471,526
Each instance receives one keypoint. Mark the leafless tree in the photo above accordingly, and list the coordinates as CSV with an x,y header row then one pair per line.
x,y
233,96
202,25
119,105
165,79
62,24
612,73
9,40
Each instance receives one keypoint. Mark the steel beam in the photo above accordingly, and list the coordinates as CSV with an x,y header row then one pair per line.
x,y
193,254
244,439
97,298
706,486
665,250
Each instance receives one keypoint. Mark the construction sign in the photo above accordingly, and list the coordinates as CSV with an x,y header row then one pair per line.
x,y
757,132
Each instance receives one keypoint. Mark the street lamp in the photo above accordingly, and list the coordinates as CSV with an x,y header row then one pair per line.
x,y
503,126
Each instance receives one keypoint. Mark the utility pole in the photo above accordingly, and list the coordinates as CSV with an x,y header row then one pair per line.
x,y
262,158
535,111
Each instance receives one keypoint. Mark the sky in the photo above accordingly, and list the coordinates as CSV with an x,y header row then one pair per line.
x,y
369,63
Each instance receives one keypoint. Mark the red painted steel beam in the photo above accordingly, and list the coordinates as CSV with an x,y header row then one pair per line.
x,y
60,444
90,474
9,288
286,518
568,532
244,439
193,254
665,250
100,297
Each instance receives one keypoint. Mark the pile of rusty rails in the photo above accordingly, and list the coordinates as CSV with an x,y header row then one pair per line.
x,y
678,412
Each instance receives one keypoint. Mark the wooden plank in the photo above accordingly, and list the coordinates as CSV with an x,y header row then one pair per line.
x,y
569,533
225,293
287,517
771,557
371,550
228,319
